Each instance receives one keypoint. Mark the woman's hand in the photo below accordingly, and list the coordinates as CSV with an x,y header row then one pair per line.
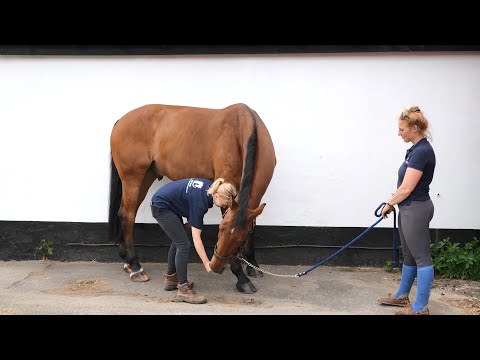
x,y
387,209
198,243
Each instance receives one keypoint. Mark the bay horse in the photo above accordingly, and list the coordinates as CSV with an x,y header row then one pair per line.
x,y
178,142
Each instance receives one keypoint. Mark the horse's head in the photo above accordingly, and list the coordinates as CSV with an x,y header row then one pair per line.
x,y
231,236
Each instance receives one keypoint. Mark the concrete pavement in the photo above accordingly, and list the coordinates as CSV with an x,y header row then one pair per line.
x,y
50,287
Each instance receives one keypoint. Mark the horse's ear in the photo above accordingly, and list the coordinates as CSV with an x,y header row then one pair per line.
x,y
232,204
257,211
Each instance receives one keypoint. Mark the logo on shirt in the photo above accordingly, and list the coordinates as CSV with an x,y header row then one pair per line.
x,y
195,184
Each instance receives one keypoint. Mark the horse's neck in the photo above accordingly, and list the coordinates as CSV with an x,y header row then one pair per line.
x,y
256,194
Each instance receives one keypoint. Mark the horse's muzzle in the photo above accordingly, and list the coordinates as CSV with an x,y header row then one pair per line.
x,y
217,270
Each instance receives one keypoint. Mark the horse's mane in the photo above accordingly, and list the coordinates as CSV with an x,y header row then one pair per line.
x,y
246,186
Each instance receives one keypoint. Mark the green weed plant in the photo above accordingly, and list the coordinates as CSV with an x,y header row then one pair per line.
x,y
453,261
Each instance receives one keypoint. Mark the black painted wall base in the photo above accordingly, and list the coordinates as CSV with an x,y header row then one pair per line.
x,y
275,245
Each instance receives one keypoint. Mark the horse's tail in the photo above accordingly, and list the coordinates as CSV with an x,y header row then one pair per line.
x,y
249,166
115,233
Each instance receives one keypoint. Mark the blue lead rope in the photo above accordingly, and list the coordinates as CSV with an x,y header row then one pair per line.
x,y
377,213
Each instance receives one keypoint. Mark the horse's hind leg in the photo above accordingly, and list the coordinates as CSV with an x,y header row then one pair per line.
x,y
134,191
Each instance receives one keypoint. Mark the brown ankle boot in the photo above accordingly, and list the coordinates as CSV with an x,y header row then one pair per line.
x,y
171,282
392,301
186,294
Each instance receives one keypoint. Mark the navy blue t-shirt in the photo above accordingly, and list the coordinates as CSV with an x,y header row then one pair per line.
x,y
421,157
187,198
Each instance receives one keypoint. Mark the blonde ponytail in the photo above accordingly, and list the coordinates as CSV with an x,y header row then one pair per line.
x,y
224,189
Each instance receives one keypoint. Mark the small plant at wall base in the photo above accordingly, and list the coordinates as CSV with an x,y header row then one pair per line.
x,y
45,248
452,261
390,268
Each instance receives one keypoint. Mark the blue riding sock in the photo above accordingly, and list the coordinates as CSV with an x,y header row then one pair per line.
x,y
408,277
424,284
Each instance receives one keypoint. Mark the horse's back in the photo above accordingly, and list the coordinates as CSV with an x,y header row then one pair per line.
x,y
156,123
168,118
185,141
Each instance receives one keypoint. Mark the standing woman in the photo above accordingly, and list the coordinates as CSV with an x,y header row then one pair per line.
x,y
415,213
189,198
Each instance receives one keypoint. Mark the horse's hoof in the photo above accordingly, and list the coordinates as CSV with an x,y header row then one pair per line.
x,y
254,272
247,288
139,277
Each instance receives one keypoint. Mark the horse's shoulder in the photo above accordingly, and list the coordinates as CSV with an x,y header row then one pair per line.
x,y
239,106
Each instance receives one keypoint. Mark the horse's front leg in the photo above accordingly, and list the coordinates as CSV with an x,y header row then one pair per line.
x,y
244,285
249,254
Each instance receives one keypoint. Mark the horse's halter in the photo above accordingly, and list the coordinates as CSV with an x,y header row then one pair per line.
x,y
229,258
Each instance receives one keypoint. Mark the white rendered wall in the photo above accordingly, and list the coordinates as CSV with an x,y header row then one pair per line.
x,y
332,117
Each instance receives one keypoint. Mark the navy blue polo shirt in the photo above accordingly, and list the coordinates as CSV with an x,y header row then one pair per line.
x,y
421,157
187,198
